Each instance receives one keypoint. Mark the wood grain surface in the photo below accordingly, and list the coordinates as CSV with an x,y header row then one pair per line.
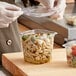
x,y
14,63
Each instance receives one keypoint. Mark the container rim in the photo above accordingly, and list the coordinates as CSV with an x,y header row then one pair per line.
x,y
29,32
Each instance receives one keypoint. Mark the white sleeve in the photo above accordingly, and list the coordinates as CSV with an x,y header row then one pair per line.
x,y
8,14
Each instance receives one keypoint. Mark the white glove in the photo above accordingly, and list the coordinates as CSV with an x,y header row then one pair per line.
x,y
59,8
47,3
8,13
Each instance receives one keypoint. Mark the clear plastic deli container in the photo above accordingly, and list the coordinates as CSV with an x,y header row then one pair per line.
x,y
37,45
70,19
71,53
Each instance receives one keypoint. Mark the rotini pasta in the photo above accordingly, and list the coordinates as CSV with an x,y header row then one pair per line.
x,y
37,47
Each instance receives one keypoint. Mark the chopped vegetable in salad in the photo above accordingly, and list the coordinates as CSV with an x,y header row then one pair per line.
x,y
37,47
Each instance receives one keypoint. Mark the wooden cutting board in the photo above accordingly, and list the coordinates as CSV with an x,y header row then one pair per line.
x,y
58,66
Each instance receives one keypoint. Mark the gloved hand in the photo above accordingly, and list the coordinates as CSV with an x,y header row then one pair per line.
x,y
8,13
59,8
47,3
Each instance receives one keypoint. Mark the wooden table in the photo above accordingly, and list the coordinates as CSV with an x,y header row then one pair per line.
x,y
15,64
